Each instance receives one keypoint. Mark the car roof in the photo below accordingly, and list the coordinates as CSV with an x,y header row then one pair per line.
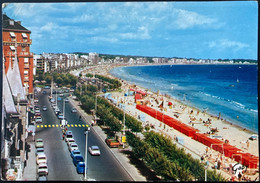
x,y
39,140
42,155
94,147
77,150
42,164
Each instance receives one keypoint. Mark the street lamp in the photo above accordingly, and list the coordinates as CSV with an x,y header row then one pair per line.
x,y
86,150
124,121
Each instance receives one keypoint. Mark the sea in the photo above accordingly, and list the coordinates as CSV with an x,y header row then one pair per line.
x,y
230,91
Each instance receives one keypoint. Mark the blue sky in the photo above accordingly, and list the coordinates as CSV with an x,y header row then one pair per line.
x,y
165,29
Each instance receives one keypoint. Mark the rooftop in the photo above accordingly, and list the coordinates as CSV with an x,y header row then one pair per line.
x,y
10,24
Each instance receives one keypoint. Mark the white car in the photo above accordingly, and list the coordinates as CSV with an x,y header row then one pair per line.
x,y
39,150
94,150
38,119
73,110
61,95
253,137
70,141
73,146
66,100
41,158
43,168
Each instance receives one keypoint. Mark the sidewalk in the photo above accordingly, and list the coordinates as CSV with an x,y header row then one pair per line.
x,y
29,173
122,158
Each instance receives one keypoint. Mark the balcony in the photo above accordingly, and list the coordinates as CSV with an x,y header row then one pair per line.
x,y
25,54
26,66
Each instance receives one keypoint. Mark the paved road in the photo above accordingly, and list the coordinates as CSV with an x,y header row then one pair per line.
x,y
102,168
59,161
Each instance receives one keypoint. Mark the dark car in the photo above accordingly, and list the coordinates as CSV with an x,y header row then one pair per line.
x,y
77,158
81,167
75,152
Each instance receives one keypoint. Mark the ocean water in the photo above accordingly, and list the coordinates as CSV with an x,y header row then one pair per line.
x,y
231,90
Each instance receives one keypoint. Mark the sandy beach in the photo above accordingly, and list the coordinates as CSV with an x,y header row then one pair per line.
x,y
201,120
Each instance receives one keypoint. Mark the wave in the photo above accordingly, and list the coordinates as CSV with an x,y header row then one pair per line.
x,y
231,102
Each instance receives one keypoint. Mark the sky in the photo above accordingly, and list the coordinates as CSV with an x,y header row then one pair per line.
x,y
201,30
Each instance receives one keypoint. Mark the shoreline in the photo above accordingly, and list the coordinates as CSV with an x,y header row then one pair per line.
x,y
169,97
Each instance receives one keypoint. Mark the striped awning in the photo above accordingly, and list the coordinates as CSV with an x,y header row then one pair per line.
x,y
24,35
12,34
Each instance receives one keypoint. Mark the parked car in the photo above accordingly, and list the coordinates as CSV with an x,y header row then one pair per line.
x,y
61,95
41,158
112,142
38,119
94,150
70,141
36,100
77,158
75,152
37,110
39,150
52,100
253,137
42,176
39,143
43,167
44,108
73,146
81,167
44,92
59,99
47,87
68,135
60,116
73,110
74,97
37,114
66,100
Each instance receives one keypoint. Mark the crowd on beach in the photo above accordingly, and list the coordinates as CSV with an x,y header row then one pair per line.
x,y
205,123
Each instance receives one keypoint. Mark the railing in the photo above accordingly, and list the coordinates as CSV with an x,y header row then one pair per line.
x,y
25,54
26,41
26,66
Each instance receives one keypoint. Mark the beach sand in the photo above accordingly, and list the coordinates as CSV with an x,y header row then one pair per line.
x,y
237,136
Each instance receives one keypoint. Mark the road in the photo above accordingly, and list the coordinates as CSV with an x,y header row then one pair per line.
x,y
101,168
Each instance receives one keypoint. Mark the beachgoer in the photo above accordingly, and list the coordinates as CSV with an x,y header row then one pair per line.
x,y
239,176
207,150
216,164
247,143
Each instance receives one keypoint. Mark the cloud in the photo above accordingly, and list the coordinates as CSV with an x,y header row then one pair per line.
x,y
227,44
142,33
187,19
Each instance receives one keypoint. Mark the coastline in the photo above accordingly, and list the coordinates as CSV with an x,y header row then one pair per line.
x,y
236,134
227,121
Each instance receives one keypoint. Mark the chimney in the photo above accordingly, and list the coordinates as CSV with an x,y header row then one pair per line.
x,y
19,22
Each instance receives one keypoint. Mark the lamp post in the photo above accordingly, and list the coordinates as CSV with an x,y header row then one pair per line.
x,y
124,121
86,150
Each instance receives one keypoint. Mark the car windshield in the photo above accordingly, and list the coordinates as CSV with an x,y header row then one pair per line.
x,y
43,167
95,148
69,136
74,145
41,158
79,158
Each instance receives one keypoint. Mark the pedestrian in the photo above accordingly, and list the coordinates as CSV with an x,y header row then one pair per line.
x,y
79,117
247,143
239,176
207,150
63,136
216,164
202,158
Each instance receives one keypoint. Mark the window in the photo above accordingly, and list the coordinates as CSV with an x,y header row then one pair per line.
x,y
25,72
23,48
12,34
12,48
24,35
26,60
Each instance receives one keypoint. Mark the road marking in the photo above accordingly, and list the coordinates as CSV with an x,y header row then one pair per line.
x,y
68,125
